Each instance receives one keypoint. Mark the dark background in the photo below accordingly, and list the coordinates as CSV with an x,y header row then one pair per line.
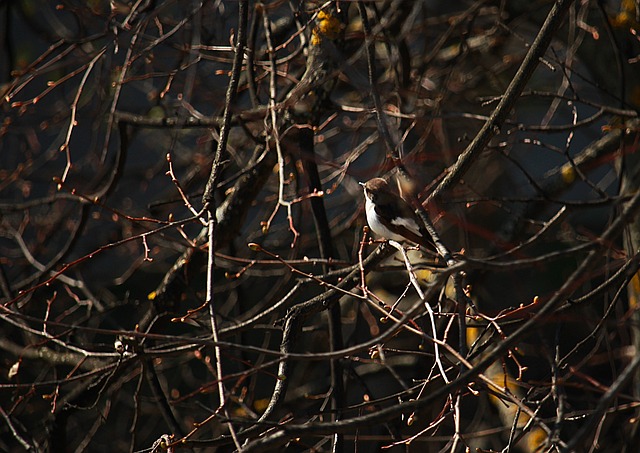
x,y
97,245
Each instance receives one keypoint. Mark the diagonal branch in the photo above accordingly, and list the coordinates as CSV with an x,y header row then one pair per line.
x,y
492,126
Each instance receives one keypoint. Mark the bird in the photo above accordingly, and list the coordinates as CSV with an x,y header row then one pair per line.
x,y
390,216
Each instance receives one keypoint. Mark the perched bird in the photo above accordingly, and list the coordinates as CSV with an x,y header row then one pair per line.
x,y
390,216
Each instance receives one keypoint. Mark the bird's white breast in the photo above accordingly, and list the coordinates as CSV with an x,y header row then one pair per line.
x,y
376,226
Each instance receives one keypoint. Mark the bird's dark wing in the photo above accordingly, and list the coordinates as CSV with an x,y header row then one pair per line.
x,y
404,221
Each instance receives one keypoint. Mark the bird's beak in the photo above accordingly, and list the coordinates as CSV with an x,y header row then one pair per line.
x,y
361,183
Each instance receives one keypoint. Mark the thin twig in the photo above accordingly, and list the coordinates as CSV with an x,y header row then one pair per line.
x,y
209,203
416,286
